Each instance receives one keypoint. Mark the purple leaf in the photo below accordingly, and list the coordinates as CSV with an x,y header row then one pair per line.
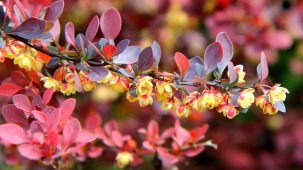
x,y
156,53
13,133
81,41
22,102
129,56
227,46
71,131
54,11
66,108
12,114
30,151
191,73
146,59
122,45
280,106
97,73
110,23
233,75
30,29
92,28
212,56
262,68
78,82
200,70
70,34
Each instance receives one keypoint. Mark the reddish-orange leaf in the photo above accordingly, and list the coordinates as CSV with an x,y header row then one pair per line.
x,y
9,89
33,75
43,57
182,63
59,74
109,51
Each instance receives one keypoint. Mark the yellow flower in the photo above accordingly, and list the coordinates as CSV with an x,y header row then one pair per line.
x,y
266,107
246,98
277,93
228,111
28,62
209,99
170,104
183,111
145,100
123,159
164,90
269,109
68,88
144,86
50,82
121,85
88,85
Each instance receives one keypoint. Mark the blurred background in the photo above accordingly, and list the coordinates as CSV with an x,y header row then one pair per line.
x,y
251,140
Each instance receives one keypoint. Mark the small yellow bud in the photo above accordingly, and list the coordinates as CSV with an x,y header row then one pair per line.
x,y
123,159
88,85
228,111
164,90
183,111
145,100
68,88
50,82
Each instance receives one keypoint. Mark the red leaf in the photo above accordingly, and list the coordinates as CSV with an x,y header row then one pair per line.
x,y
182,63
47,96
109,51
22,102
40,116
86,137
54,11
92,122
66,108
29,151
71,131
92,28
110,23
53,120
9,89
13,133
70,34
117,138
19,78
153,129
194,151
12,114
212,56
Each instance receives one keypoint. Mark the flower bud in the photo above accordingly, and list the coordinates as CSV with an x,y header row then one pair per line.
x,y
123,159
51,83
182,111
145,100
164,90
228,110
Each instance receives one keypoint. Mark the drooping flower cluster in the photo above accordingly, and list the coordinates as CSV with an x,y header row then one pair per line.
x,y
124,67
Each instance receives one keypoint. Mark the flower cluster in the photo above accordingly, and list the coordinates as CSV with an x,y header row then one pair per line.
x,y
52,135
27,58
